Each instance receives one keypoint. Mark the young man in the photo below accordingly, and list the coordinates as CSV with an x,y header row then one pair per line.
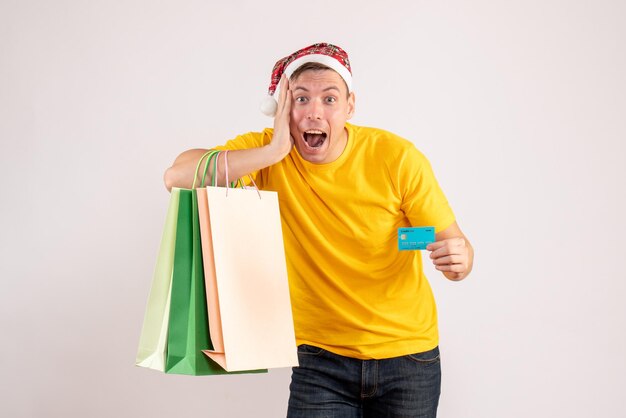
x,y
364,313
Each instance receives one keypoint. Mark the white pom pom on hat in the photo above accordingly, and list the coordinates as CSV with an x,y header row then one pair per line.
x,y
323,53
269,106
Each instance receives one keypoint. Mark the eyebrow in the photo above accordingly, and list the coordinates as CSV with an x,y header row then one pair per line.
x,y
325,90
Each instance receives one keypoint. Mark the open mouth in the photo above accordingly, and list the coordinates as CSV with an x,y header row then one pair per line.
x,y
314,138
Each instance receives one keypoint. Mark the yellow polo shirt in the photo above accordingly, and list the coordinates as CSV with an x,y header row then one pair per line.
x,y
353,292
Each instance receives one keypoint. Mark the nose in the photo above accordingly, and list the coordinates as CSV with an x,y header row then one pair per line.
x,y
315,110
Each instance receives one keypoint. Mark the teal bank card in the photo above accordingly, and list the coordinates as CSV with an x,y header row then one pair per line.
x,y
416,238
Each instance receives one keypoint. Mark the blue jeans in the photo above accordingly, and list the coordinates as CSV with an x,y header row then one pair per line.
x,y
329,385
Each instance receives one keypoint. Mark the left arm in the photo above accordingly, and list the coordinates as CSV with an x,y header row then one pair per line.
x,y
452,254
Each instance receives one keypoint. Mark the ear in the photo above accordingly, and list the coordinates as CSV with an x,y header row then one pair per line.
x,y
351,102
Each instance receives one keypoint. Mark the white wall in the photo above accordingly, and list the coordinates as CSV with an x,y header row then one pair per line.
x,y
520,105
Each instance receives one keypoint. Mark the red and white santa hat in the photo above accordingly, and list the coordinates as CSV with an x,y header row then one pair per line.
x,y
329,55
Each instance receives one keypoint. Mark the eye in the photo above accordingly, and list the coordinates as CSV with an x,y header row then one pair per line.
x,y
331,99
301,99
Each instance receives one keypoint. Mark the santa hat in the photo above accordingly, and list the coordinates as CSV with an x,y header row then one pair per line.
x,y
329,55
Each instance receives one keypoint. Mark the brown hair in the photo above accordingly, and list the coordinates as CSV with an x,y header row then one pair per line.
x,y
315,66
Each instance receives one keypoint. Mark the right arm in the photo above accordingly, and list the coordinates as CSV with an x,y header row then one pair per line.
x,y
240,162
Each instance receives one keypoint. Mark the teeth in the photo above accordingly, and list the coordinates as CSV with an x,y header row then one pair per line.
x,y
314,131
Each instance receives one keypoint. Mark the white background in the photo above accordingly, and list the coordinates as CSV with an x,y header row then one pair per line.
x,y
520,106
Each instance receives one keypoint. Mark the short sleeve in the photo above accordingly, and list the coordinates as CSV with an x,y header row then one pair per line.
x,y
423,201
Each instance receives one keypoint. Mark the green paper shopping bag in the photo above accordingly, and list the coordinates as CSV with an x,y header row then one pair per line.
x,y
188,328
153,339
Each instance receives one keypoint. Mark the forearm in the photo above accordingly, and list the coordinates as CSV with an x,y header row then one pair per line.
x,y
245,161
240,163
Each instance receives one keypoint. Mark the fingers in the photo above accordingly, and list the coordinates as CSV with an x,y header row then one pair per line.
x,y
456,262
445,243
449,259
453,268
284,100
282,142
446,247
449,255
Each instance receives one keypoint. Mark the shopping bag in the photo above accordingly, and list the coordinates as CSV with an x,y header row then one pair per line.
x,y
188,328
247,291
153,339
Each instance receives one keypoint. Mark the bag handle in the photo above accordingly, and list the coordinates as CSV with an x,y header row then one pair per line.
x,y
238,180
210,154
215,161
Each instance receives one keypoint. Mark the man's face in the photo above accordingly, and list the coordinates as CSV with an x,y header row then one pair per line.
x,y
319,111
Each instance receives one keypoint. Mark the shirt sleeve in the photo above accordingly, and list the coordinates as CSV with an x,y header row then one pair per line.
x,y
423,201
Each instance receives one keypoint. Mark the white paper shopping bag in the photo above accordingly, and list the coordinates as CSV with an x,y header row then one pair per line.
x,y
252,292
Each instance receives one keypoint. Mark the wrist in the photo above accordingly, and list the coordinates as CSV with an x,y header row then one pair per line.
x,y
277,151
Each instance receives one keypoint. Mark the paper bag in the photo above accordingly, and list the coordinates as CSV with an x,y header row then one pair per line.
x,y
248,292
188,331
153,339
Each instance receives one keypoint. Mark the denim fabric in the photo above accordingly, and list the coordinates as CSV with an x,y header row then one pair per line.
x,y
327,385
